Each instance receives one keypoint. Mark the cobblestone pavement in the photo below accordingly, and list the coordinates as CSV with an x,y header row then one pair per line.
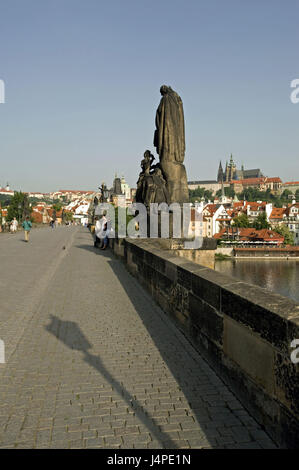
x,y
92,362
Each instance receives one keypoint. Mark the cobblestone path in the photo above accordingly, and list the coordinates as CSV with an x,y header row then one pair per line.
x,y
92,362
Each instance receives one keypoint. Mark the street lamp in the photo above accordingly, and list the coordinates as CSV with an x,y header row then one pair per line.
x,y
19,210
104,192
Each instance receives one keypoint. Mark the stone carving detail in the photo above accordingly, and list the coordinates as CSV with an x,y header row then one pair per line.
x,y
151,185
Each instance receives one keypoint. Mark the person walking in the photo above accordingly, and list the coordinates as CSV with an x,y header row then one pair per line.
x,y
14,225
107,233
97,232
27,226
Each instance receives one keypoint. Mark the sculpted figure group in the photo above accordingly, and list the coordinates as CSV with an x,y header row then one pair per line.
x,y
167,180
151,186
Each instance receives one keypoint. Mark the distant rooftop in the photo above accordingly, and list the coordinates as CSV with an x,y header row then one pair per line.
x,y
203,182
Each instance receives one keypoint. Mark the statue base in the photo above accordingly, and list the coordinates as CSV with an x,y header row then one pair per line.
x,y
176,178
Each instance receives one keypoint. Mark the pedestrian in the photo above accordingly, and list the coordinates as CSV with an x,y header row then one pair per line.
x,y
27,226
14,225
97,232
107,230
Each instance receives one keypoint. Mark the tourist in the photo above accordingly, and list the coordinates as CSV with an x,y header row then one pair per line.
x,y
107,230
14,225
27,226
97,232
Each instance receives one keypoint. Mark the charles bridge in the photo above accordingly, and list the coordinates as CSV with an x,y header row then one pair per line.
x,y
134,347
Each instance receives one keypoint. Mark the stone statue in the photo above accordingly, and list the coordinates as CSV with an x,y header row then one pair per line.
x,y
169,140
145,166
151,186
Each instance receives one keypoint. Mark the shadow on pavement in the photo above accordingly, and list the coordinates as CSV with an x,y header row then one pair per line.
x,y
160,333
71,335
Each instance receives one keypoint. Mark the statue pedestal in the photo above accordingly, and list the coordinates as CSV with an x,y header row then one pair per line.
x,y
176,178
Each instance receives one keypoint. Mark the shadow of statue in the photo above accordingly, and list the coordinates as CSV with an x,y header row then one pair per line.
x,y
71,335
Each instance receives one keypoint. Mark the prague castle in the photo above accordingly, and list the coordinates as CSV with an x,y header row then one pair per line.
x,y
232,174
238,180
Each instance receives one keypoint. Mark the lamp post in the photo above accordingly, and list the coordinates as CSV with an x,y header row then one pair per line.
x,y
104,192
19,210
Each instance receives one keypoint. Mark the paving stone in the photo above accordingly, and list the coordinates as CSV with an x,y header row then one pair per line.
x,y
88,364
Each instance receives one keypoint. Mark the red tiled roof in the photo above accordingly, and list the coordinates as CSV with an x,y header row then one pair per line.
x,y
37,217
277,213
252,234
254,181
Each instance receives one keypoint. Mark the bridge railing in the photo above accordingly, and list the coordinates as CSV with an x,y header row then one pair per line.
x,y
246,333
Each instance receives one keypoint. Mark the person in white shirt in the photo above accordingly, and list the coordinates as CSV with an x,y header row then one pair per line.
x,y
14,225
100,231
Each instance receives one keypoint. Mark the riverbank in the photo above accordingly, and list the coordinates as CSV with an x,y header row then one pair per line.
x,y
267,252
258,252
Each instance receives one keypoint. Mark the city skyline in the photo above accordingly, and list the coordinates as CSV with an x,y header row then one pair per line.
x,y
82,86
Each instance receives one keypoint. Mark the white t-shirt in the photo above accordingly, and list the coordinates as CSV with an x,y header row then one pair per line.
x,y
14,225
100,233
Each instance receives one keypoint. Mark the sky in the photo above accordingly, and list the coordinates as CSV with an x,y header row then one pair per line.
x,y
82,82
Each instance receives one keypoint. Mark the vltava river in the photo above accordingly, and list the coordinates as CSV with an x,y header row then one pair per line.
x,y
281,277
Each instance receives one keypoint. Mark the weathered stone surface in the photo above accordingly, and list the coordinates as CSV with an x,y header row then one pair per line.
x,y
255,357
169,140
207,285
287,382
244,349
289,436
264,312
206,319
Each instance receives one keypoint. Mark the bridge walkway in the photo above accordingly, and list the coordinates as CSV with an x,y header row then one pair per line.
x,y
93,362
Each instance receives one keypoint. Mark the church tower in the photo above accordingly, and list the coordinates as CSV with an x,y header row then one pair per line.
x,y
220,175
226,172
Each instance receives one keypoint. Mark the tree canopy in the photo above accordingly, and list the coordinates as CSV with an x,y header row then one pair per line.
x,y
19,207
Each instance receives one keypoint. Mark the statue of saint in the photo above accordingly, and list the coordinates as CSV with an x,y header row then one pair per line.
x,y
169,140
151,186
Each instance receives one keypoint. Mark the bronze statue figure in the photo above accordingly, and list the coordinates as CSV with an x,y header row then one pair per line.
x,y
151,186
166,181
169,140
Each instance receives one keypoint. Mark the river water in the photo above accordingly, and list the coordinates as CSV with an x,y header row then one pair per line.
x,y
277,276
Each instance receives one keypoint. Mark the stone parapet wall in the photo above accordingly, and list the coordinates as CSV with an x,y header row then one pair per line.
x,y
243,331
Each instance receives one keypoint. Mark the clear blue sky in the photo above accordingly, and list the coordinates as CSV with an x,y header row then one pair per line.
x,y
83,77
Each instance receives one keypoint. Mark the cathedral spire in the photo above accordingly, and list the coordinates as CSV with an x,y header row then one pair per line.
x,y
220,173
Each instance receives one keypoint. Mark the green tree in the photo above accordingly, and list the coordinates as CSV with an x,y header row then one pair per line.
x,y
261,221
241,221
68,216
19,207
199,193
285,195
57,207
229,192
297,195
5,200
286,233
